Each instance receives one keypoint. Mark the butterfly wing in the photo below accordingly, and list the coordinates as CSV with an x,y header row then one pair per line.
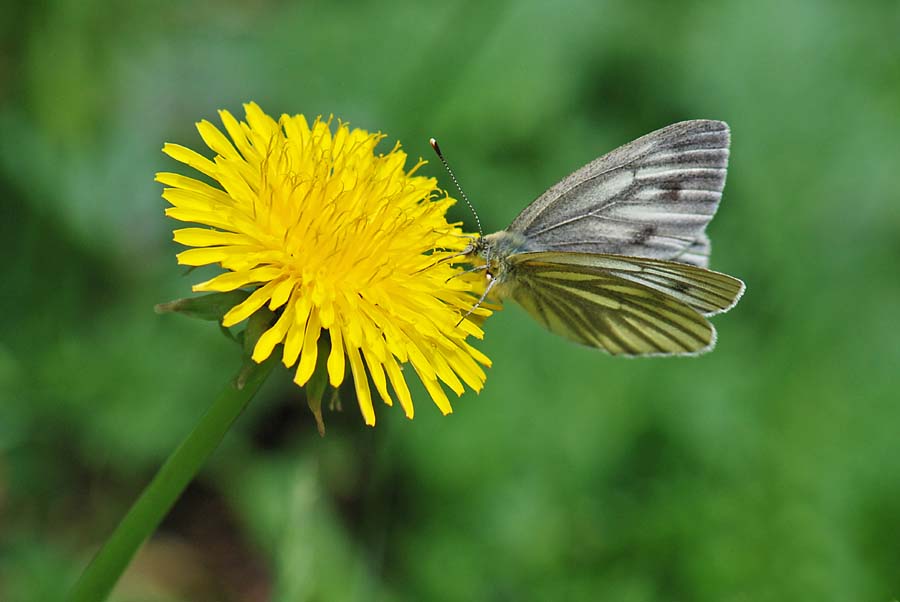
x,y
703,290
622,305
650,198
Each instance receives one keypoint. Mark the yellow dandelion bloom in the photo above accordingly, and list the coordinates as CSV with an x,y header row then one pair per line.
x,y
337,239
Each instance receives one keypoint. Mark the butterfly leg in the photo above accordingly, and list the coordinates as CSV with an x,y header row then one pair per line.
x,y
477,268
491,282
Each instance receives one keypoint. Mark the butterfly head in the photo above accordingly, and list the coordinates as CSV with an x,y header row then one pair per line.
x,y
493,250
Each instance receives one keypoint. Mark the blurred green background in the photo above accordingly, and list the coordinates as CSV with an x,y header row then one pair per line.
x,y
767,470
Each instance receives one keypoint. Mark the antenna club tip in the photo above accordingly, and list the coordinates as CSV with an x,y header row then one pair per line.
x,y
434,145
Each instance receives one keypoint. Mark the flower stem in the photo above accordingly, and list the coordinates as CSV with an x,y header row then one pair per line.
x,y
98,579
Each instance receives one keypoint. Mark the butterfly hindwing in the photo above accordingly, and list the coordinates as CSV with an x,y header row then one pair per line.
x,y
604,306
706,291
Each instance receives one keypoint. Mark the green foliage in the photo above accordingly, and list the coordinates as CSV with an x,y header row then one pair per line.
x,y
763,471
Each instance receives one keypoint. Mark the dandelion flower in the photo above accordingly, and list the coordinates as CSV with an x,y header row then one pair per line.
x,y
340,242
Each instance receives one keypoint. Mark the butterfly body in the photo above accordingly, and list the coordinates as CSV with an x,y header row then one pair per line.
x,y
614,256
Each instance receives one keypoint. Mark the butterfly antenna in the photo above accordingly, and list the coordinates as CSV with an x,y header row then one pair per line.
x,y
437,150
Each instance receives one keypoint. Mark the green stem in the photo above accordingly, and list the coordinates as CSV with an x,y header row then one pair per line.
x,y
147,512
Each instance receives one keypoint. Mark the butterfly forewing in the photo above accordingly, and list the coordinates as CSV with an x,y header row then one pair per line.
x,y
596,307
650,198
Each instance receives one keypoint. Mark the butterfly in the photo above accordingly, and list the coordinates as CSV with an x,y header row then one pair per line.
x,y
615,255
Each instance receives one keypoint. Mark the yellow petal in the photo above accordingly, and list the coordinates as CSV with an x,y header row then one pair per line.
x,y
309,354
235,280
245,309
272,337
196,257
207,237
336,358
191,159
400,387
282,292
363,395
377,372
216,141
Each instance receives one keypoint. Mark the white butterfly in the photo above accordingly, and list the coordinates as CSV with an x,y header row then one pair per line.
x,y
614,256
